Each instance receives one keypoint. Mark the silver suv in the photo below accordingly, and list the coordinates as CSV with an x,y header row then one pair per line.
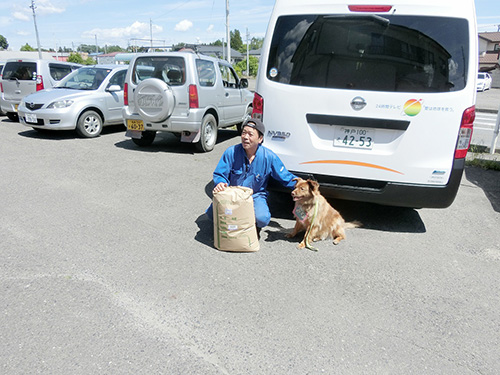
x,y
21,77
183,93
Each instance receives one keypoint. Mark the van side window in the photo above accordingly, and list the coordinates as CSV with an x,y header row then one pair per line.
x,y
394,53
228,77
58,71
206,72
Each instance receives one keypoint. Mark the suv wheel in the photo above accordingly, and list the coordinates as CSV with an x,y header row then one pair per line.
x,y
147,138
208,133
89,124
248,116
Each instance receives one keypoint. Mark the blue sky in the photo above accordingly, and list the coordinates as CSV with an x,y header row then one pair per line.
x,y
65,23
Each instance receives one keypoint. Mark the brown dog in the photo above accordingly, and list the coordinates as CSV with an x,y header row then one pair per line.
x,y
315,215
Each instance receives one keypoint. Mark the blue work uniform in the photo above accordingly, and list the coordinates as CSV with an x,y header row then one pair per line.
x,y
235,169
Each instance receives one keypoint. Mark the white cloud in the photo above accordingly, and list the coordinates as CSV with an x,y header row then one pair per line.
x,y
210,28
46,7
20,16
184,25
23,33
137,29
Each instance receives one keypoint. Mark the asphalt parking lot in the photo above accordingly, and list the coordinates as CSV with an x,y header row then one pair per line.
x,y
107,267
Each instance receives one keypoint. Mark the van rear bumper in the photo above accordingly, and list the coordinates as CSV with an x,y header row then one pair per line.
x,y
390,193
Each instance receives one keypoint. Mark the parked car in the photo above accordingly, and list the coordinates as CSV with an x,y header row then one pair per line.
x,y
184,93
86,100
483,81
2,63
22,77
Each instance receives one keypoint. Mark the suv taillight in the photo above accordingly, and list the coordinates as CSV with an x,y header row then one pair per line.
x,y
193,96
39,83
125,94
258,106
465,134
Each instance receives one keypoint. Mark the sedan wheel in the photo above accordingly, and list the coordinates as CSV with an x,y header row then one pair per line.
x,y
89,124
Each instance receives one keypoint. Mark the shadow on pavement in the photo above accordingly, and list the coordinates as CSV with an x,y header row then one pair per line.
x,y
168,142
372,216
58,135
489,181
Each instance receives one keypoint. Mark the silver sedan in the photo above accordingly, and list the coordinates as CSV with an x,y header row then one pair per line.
x,y
86,100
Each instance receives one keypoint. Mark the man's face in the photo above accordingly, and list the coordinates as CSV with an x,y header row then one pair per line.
x,y
250,138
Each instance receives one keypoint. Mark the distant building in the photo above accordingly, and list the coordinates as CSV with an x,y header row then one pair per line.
x,y
220,52
489,55
107,58
4,55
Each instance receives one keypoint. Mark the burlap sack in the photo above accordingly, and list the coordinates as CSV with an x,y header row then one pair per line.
x,y
234,220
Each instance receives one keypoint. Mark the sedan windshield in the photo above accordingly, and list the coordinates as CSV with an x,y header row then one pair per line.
x,y
85,79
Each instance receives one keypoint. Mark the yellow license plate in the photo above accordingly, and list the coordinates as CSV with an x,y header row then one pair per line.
x,y
135,125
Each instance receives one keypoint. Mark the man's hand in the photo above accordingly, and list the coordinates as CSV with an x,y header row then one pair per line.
x,y
221,186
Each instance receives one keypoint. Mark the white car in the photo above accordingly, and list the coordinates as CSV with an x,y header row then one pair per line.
x,y
85,100
483,81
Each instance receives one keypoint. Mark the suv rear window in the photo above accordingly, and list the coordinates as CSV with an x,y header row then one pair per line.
x,y
170,69
390,53
21,70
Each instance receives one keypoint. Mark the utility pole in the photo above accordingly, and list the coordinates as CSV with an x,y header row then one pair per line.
x,y
151,33
228,33
248,57
33,7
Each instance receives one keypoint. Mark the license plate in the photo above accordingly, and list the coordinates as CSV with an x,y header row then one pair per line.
x,y
354,137
135,125
30,118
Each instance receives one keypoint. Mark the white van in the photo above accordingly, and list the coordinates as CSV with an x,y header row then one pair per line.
x,y
376,102
21,77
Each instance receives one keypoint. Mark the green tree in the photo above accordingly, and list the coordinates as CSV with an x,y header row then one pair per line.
x,y
236,42
3,42
89,61
27,47
218,42
256,43
75,58
241,67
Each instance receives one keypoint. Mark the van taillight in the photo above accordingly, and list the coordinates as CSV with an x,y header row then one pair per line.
x,y
39,83
465,134
125,94
370,8
1,87
258,106
193,96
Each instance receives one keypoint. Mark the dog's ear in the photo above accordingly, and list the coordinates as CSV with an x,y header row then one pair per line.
x,y
297,179
313,185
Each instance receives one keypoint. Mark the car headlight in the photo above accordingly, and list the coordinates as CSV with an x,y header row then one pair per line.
x,y
60,104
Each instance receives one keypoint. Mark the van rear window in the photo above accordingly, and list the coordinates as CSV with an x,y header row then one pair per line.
x,y
390,53
20,70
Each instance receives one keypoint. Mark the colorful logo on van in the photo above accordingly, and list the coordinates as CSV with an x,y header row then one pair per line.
x,y
412,107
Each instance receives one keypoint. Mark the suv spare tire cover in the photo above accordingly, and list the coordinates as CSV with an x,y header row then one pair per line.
x,y
154,99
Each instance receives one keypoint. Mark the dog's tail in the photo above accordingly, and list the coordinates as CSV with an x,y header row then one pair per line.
x,y
353,224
